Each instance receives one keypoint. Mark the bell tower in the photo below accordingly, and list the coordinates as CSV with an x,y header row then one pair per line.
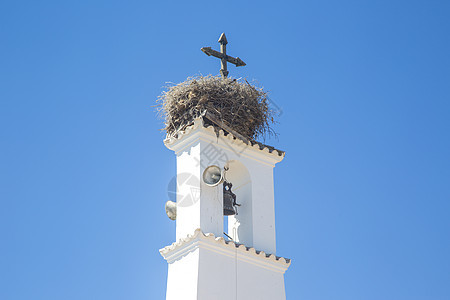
x,y
222,175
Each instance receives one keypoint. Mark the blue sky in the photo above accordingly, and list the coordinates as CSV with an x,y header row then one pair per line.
x,y
362,197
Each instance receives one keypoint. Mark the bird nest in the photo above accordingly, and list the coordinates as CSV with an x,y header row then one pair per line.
x,y
238,105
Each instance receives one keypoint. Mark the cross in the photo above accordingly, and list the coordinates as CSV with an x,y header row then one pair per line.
x,y
224,58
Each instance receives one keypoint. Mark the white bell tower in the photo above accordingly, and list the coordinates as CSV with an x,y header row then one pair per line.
x,y
203,265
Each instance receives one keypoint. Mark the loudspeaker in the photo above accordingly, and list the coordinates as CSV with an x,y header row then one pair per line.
x,y
212,176
171,210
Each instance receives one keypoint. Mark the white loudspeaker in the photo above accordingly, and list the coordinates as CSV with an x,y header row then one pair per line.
x,y
212,176
171,210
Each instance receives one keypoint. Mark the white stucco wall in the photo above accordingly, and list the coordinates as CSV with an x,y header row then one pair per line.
x,y
208,268
182,279
204,267
254,226
229,277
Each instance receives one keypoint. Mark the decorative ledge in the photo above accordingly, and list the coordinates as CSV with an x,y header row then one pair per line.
x,y
209,241
198,123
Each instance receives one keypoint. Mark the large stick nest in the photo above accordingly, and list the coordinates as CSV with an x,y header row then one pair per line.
x,y
238,104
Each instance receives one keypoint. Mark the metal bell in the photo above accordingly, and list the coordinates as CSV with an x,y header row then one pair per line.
x,y
229,200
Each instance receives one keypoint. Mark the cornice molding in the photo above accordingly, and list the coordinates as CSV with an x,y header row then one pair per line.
x,y
209,241
198,130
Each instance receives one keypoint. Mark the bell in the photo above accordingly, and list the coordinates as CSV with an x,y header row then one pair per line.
x,y
229,200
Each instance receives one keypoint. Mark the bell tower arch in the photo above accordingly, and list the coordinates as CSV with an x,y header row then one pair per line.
x,y
240,227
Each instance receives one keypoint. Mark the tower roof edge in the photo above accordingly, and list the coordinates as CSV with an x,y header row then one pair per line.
x,y
172,141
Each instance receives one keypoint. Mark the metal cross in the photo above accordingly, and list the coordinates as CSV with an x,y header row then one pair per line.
x,y
224,58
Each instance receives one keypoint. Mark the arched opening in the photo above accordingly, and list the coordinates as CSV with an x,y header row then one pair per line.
x,y
239,227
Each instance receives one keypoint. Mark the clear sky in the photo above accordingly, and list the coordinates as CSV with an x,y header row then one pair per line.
x,y
362,197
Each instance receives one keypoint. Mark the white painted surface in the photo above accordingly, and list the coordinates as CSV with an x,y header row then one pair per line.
x,y
250,171
182,279
205,267
206,270
198,205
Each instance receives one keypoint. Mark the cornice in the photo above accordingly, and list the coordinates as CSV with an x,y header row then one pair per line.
x,y
179,141
209,241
